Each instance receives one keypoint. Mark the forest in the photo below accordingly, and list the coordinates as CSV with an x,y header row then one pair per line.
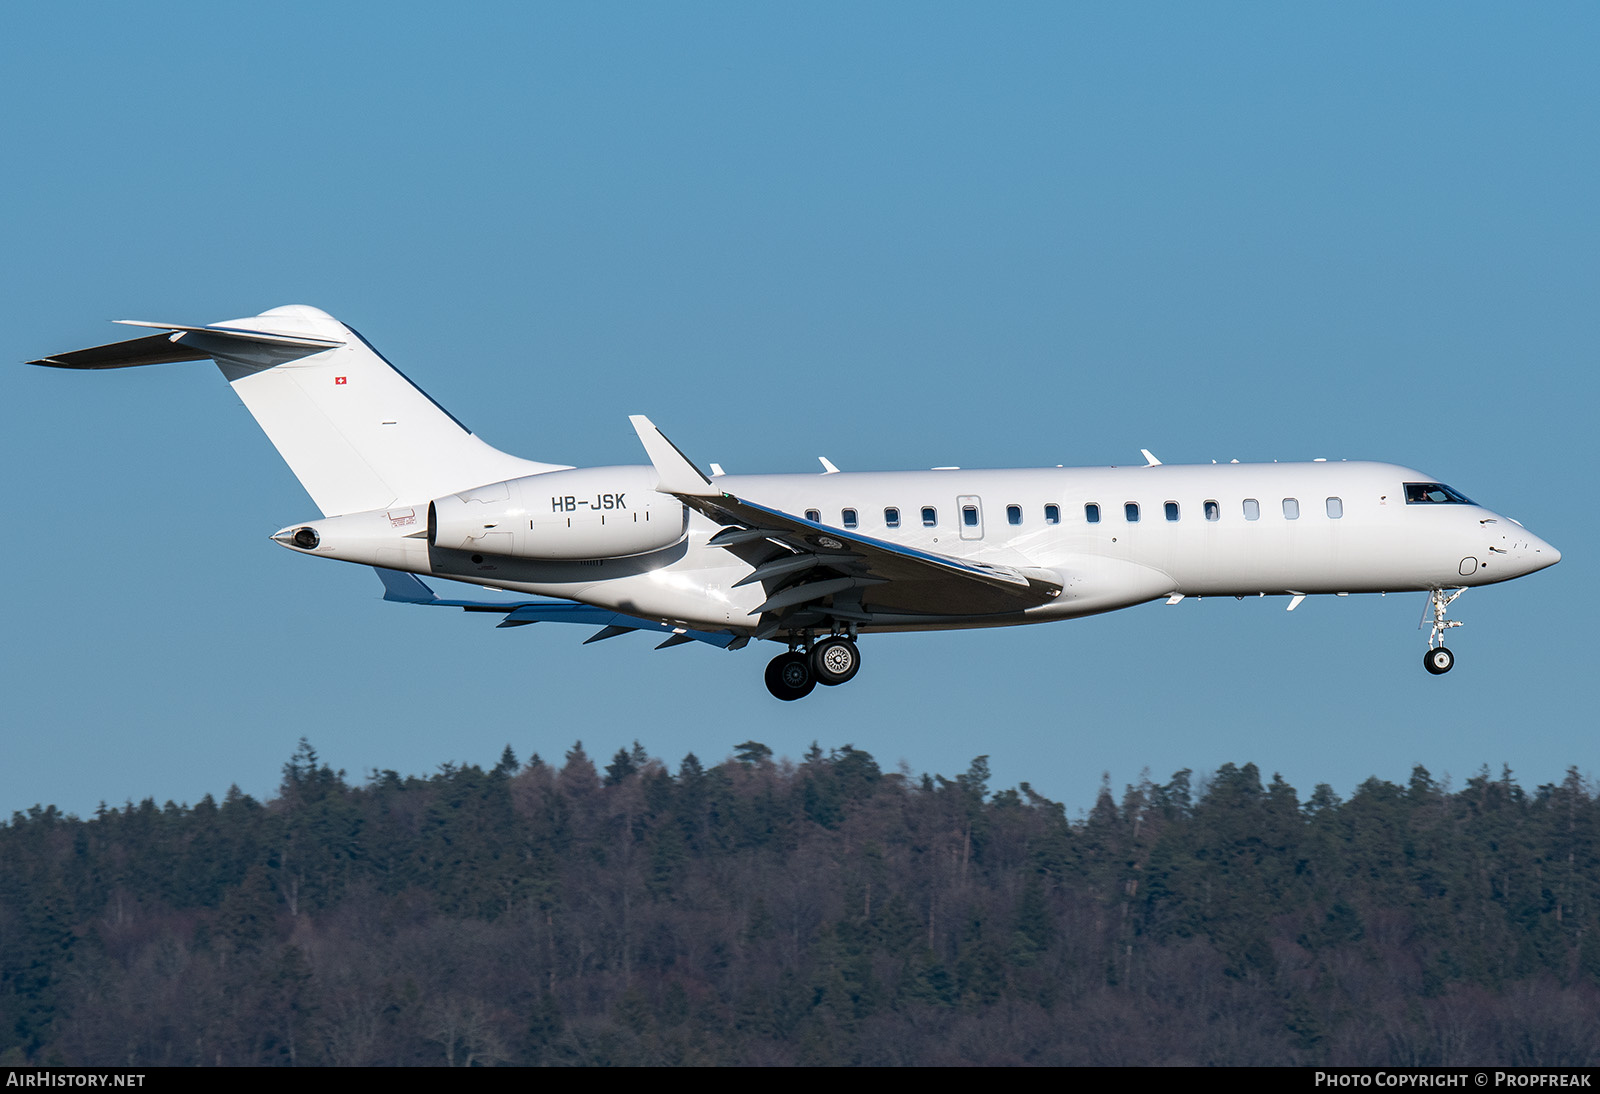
x,y
825,911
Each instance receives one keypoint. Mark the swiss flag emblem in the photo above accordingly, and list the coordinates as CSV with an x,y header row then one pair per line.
x,y
338,379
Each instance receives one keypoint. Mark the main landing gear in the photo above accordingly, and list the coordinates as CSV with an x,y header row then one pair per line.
x,y
1439,660
832,661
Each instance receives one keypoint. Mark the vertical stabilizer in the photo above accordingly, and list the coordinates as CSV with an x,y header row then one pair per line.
x,y
355,431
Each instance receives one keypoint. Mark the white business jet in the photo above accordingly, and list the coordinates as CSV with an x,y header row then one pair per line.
x,y
808,561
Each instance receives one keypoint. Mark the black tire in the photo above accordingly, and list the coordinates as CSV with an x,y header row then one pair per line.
x,y
1439,661
835,661
789,677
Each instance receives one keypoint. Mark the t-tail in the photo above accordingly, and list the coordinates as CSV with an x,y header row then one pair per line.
x,y
354,430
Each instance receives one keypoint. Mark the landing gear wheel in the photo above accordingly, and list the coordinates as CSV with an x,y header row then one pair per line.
x,y
834,661
789,676
1439,661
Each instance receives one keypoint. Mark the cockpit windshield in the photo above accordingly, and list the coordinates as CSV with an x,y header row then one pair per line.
x,y
1434,493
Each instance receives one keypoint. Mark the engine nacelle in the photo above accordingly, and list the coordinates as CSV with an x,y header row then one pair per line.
x,y
585,513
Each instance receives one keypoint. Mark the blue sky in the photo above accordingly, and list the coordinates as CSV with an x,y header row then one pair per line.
x,y
898,235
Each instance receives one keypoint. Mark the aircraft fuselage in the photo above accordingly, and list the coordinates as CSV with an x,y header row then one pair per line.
x,y
1118,535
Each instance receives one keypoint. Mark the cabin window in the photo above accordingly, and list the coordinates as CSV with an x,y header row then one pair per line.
x,y
814,516
1434,493
1091,513
1252,509
850,518
891,517
1171,510
1052,514
969,515
1291,509
930,516
1130,511
1013,514
1213,510
1335,508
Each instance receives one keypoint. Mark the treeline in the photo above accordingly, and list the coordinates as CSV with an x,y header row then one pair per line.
x,y
825,912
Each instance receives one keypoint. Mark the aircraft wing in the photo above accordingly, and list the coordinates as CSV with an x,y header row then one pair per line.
x,y
863,575
403,588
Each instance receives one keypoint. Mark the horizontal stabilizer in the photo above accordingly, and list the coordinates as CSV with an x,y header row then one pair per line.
x,y
154,349
165,349
242,334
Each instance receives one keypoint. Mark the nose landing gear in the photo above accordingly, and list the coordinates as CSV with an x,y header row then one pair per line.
x,y
834,660
1439,660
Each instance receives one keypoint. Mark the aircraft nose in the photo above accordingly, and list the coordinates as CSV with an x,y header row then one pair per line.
x,y
1514,551
1532,553
1542,554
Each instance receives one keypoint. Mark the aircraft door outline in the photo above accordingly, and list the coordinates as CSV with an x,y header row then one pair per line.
x,y
969,516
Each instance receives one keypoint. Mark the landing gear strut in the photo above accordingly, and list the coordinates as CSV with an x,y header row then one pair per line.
x,y
1438,660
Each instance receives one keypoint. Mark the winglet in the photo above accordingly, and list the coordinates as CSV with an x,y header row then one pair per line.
x,y
678,474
